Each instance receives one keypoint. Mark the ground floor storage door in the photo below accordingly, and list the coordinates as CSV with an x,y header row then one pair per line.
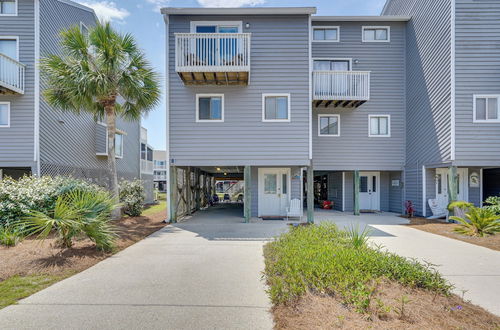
x,y
369,191
274,191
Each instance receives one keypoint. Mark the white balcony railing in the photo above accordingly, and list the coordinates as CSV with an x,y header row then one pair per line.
x,y
341,85
212,52
160,177
11,74
146,166
160,167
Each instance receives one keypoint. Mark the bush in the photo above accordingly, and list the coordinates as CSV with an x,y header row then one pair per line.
x,y
493,204
10,236
20,197
75,213
132,197
324,260
478,222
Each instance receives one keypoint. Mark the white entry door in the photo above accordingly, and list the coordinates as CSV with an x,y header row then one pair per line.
x,y
369,191
442,185
274,191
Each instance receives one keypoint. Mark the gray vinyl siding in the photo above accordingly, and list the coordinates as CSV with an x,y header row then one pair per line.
x,y
335,189
17,141
474,192
68,142
413,187
430,188
279,64
295,189
349,192
395,193
477,72
353,149
384,191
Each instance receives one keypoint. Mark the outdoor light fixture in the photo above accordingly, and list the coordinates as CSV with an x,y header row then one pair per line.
x,y
356,61
225,173
218,168
247,25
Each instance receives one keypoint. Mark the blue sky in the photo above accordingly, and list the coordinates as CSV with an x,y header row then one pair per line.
x,y
143,20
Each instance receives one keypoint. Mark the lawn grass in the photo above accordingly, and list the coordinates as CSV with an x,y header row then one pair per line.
x,y
325,260
153,209
19,287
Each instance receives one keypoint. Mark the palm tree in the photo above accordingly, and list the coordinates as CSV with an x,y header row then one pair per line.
x,y
103,73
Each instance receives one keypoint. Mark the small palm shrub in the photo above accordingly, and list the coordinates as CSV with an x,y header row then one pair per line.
x,y
132,197
478,222
10,235
78,212
357,237
493,204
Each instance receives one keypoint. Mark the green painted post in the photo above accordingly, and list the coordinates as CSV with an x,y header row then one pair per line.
x,y
173,194
247,176
452,184
356,192
310,193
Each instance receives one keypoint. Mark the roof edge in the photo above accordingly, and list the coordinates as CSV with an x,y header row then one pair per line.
x,y
239,11
389,18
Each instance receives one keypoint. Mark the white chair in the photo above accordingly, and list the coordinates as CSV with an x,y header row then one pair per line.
x,y
295,209
438,209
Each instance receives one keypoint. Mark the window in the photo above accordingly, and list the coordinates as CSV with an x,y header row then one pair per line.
x,y
379,126
332,65
270,183
4,114
209,107
84,29
143,151
275,107
328,125
119,145
8,47
284,183
376,33
216,27
326,33
8,7
486,108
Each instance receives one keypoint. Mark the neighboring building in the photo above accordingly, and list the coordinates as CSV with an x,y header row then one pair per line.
x,y
376,109
160,170
34,137
147,166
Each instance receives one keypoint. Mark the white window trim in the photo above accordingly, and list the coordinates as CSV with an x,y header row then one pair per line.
x,y
8,115
16,38
325,27
239,24
388,126
118,131
16,5
331,59
319,124
376,27
264,95
82,25
485,121
122,149
198,120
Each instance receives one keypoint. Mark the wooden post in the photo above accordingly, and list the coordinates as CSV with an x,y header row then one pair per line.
x,y
452,184
356,192
247,176
310,193
198,188
187,182
173,194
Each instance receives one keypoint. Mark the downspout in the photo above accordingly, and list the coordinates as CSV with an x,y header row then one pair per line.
x,y
167,113
36,130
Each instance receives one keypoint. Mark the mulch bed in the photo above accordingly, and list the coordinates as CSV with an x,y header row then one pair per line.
x,y
422,310
446,229
33,256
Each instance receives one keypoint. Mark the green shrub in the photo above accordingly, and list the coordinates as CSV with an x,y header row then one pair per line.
x,y
322,259
30,193
10,235
132,197
358,237
478,222
78,212
493,204
460,205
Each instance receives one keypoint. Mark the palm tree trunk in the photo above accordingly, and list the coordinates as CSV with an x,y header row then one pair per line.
x,y
113,175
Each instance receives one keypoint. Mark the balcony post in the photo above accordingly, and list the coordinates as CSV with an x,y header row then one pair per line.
x,y
247,195
356,192
173,193
310,193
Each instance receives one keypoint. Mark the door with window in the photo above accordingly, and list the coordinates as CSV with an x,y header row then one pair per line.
x,y
369,191
216,51
8,47
337,82
442,193
274,191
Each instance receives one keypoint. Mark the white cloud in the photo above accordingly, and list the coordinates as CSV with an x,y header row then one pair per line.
x,y
107,10
229,3
158,3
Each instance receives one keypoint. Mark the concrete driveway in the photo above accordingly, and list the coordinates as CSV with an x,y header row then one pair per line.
x,y
201,274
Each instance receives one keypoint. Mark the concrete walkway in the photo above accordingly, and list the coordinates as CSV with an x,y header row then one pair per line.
x,y
201,274
474,270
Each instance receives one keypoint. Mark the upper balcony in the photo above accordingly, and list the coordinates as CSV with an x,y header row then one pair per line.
x,y
213,58
11,75
348,89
